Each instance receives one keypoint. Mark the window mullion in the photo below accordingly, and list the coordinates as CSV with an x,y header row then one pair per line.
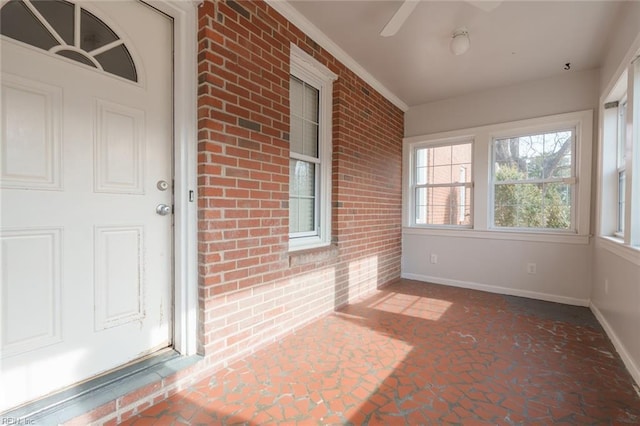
x,y
533,181
444,185
302,157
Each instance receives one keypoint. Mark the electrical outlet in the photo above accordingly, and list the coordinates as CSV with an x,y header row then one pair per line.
x,y
531,268
434,258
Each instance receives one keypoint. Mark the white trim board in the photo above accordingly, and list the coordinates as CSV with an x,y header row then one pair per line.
x,y
292,15
618,248
499,290
185,95
626,358
496,234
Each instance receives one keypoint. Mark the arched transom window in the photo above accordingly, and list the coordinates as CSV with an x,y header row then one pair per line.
x,y
66,29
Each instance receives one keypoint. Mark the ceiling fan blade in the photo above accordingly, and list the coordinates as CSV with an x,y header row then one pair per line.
x,y
401,15
485,5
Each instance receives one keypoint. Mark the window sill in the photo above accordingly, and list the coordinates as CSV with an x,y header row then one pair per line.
x,y
619,248
545,237
305,256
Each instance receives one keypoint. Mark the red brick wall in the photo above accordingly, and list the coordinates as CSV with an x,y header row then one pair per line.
x,y
251,289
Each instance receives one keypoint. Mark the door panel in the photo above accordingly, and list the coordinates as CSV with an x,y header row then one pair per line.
x,y
119,149
118,280
21,249
30,134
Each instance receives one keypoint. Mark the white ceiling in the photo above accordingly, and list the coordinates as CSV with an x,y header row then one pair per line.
x,y
517,41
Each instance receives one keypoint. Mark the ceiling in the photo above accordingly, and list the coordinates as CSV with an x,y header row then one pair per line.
x,y
517,41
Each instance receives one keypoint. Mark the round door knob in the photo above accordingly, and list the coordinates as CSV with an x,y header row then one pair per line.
x,y
163,209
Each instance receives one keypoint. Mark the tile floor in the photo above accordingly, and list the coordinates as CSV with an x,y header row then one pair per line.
x,y
417,353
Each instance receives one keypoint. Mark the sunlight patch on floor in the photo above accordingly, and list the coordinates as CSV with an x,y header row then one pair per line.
x,y
411,305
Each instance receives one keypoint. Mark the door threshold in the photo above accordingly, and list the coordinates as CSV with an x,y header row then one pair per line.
x,y
86,396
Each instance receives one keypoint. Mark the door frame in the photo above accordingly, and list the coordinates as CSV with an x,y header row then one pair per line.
x,y
185,150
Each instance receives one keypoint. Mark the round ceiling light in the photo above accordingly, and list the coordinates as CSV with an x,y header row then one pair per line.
x,y
460,41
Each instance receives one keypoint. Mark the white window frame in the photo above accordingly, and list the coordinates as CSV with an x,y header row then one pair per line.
x,y
572,180
621,166
482,137
632,167
415,186
307,69
625,244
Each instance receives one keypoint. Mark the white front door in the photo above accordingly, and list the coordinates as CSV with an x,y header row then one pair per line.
x,y
86,158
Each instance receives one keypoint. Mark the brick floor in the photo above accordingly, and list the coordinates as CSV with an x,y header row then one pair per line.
x,y
417,353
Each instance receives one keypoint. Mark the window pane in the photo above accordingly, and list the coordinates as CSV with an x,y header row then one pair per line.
x,y
310,139
621,201
506,172
94,33
444,164
59,14
421,175
518,205
295,135
421,206
563,168
305,215
302,191
441,155
304,118
622,134
511,157
293,215
440,175
461,154
557,206
76,56
118,61
302,178
543,156
421,166
533,206
421,157
557,154
443,205
311,96
296,91
17,22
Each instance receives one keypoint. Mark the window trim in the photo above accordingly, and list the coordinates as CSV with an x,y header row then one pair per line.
x,y
307,69
625,244
632,167
482,136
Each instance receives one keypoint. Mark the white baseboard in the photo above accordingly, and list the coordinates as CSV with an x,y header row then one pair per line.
x,y
499,290
626,358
